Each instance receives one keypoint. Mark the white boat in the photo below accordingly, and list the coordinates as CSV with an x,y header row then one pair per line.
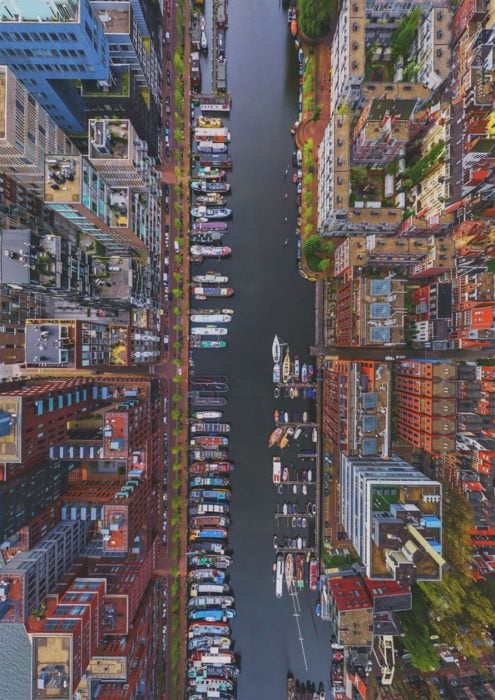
x,y
289,571
297,433
211,213
304,374
276,350
211,278
314,435
209,330
279,577
209,251
277,470
305,417
296,367
276,373
205,415
211,318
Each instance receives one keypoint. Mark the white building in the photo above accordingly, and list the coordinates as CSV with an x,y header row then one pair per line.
x,y
392,514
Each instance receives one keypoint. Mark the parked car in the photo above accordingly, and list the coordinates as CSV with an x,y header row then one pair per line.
x,y
167,104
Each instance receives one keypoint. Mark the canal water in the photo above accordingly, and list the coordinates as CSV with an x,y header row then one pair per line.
x,y
270,297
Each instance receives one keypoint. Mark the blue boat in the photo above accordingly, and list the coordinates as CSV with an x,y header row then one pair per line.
x,y
212,615
209,533
208,481
213,494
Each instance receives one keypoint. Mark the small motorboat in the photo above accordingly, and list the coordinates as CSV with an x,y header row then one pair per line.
x,y
279,579
275,437
304,374
286,416
289,570
291,687
299,542
286,366
313,574
285,474
297,433
285,508
276,349
285,440
314,435
310,475
206,292
293,522
304,490
275,541
276,373
276,470
296,366
304,522
211,199
294,489
313,509
276,415
305,417
276,392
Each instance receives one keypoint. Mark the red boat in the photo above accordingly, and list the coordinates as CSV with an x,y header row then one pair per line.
x,y
201,468
209,441
313,574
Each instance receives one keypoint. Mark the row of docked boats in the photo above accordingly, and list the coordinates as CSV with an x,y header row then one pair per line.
x,y
212,664
298,690
288,369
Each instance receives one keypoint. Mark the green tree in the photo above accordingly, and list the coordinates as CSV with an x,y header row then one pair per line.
x,y
323,265
311,245
317,112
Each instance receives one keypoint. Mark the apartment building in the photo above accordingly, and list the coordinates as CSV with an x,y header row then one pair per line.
x,y
392,514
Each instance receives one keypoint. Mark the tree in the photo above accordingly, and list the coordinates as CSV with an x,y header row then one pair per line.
x,y
176,379
177,362
176,397
311,245
176,311
314,16
176,449
323,265
308,229
317,112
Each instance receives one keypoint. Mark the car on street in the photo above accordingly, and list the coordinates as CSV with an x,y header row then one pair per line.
x,y
167,104
167,152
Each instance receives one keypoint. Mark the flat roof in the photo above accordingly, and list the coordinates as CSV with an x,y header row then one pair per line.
x,y
39,11
349,593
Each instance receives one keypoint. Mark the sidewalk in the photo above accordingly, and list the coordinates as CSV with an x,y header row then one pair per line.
x,y
310,129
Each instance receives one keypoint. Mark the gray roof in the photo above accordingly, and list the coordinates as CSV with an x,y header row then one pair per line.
x,y
15,670
17,242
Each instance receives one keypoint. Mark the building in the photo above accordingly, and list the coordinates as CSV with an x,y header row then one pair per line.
x,y
377,312
357,406
426,404
50,45
432,46
30,576
27,132
392,514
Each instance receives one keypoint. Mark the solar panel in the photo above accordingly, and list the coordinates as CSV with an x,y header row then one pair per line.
x,y
369,424
379,310
380,287
380,334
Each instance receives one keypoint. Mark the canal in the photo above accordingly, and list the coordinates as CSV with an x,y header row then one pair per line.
x,y
270,297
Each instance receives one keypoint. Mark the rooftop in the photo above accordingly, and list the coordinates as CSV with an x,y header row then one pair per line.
x,y
109,138
62,179
115,17
39,11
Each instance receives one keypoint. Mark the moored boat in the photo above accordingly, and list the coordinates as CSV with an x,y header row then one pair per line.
x,y
226,601
209,441
208,641
296,366
198,343
286,366
276,349
210,494
291,687
210,575
275,437
285,439
203,481
197,399
211,318
207,173
206,292
210,278
206,415
300,570
276,373
198,589
210,212
211,199
202,628
213,561
210,146
209,122
211,251
304,374
313,574
210,186
211,467
285,474
289,570
211,614
217,533
276,469
208,330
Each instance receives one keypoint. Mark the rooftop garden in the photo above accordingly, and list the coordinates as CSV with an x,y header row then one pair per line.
x,y
367,185
403,36
419,169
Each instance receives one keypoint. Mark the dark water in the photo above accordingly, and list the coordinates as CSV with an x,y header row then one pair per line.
x,y
270,297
